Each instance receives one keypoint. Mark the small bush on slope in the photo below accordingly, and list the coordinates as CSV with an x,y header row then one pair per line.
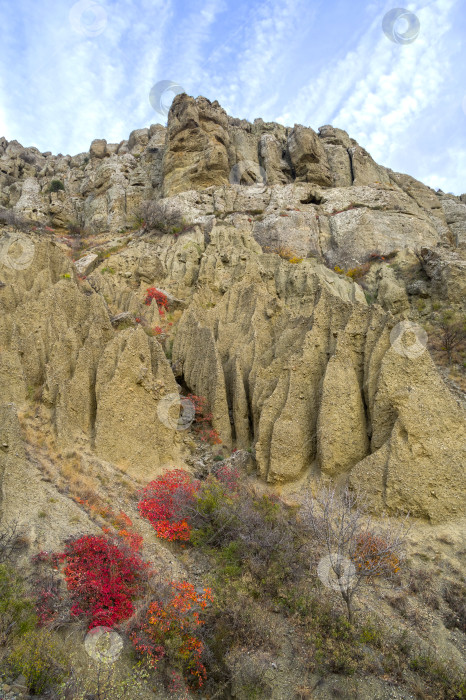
x,y
167,633
164,499
102,577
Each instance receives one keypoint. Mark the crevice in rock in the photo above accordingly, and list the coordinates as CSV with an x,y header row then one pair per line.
x,y
348,150
312,198
92,407
367,418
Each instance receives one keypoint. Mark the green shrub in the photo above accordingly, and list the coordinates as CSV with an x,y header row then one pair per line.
x,y
17,614
370,634
56,186
444,680
38,656
246,534
214,519
332,646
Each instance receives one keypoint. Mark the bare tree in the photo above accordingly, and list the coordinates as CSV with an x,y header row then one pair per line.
x,y
8,217
12,540
156,215
358,548
452,335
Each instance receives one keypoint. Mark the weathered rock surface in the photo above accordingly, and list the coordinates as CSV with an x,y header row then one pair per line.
x,y
413,449
296,365
446,270
24,493
353,205
99,387
455,216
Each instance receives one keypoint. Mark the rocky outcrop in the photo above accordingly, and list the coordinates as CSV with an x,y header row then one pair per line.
x,y
414,462
100,386
132,378
297,363
353,205
446,270
314,379
308,157
455,216
196,151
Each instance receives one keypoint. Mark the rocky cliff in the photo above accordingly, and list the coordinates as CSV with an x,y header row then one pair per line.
x,y
299,279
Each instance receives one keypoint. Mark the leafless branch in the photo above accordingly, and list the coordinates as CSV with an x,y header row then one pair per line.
x,y
358,548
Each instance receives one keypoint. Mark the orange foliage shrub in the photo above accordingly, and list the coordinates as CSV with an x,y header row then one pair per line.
x,y
167,632
373,554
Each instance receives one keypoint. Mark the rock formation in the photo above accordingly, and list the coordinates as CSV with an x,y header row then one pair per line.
x,y
297,362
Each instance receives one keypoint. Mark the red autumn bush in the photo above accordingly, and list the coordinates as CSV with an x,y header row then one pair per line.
x,y
47,601
50,602
121,522
102,577
167,633
162,500
203,420
228,476
160,299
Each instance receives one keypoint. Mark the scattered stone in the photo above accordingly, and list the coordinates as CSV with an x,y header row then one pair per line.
x,y
418,288
124,317
86,264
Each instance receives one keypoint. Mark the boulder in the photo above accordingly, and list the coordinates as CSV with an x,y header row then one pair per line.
x,y
197,141
308,156
138,140
86,264
98,148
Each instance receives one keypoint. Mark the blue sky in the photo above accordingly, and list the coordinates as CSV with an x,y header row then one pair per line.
x,y
75,71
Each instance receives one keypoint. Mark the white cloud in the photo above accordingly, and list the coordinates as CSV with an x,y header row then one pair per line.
x,y
381,89
284,60
70,89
